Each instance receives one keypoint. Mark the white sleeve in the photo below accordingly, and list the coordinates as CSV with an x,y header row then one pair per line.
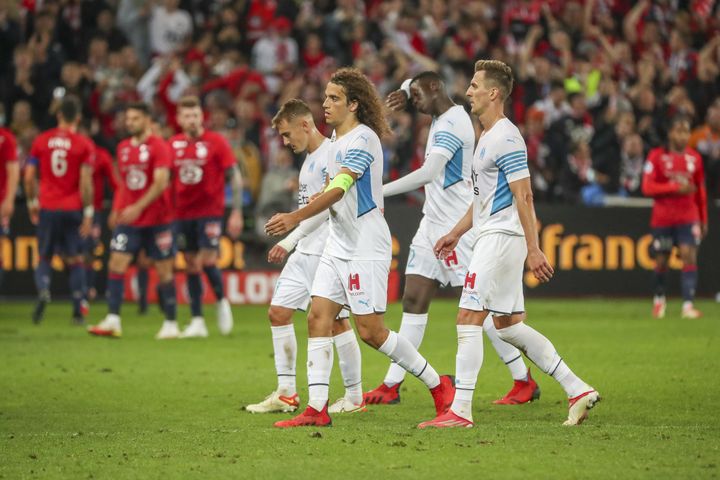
x,y
512,158
147,85
305,228
432,167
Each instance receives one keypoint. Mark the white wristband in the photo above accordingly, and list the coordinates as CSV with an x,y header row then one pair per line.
x,y
32,203
89,211
287,244
405,87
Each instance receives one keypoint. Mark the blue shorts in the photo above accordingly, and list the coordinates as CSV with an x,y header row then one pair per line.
x,y
665,238
192,235
158,241
58,232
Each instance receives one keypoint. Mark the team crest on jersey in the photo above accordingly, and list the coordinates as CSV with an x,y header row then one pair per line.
x,y
201,150
163,241
136,179
144,153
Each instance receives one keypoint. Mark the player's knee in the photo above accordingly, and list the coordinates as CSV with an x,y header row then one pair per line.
x,y
373,337
279,316
415,303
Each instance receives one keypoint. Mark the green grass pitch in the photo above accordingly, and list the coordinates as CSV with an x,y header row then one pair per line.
x,y
72,406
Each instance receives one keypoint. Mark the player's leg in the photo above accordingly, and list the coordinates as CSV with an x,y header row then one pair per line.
x,y
46,240
418,293
350,361
71,246
143,277
197,327
208,234
689,239
661,248
166,284
323,312
118,263
542,353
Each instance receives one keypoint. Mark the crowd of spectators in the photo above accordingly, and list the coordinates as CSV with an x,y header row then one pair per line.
x,y
596,80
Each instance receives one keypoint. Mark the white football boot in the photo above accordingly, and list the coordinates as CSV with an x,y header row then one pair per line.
x,y
580,405
195,329
169,330
109,327
344,405
275,402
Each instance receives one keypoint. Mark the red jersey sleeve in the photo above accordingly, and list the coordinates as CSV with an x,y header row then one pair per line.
x,y
35,152
9,152
652,186
162,156
227,157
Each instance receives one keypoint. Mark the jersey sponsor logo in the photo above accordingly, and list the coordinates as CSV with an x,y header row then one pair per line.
x,y
190,174
353,282
474,178
470,280
452,259
179,144
136,179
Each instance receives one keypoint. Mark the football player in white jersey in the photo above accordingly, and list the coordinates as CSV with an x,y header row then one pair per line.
x,y
445,174
502,216
294,123
354,267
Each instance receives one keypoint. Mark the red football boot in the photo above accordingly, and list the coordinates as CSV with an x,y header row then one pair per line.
x,y
522,392
447,420
309,418
444,394
383,395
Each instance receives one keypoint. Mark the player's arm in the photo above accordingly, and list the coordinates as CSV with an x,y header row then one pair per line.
x,y
161,180
447,243
30,184
278,253
8,203
233,176
282,223
86,194
701,196
536,261
432,167
652,186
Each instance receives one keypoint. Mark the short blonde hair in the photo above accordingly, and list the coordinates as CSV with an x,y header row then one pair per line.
x,y
498,73
291,110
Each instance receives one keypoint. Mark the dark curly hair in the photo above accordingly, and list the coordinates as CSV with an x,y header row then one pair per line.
x,y
359,89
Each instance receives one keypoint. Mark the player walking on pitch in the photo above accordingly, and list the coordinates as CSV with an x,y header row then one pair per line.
x,y
445,174
675,179
294,123
202,162
502,215
64,213
141,219
9,179
354,267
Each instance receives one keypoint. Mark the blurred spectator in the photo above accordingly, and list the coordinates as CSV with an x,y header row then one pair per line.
x,y
170,28
276,54
278,192
631,166
706,140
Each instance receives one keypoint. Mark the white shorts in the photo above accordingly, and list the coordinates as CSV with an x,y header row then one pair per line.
x,y
292,289
494,281
360,285
422,260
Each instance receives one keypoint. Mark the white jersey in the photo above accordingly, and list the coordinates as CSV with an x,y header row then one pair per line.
x,y
448,196
358,230
500,159
312,180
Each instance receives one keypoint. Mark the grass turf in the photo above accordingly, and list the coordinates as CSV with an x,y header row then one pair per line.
x,y
72,406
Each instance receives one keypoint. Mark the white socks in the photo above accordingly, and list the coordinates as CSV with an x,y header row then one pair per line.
x,y
401,351
412,327
319,366
348,352
543,354
285,348
507,353
467,367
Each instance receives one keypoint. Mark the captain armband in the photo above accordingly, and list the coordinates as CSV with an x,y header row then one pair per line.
x,y
342,181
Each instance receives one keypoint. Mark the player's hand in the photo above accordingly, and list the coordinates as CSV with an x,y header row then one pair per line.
x,y
112,220
86,227
6,211
445,245
704,229
277,254
235,224
34,214
397,101
129,214
686,188
538,264
280,224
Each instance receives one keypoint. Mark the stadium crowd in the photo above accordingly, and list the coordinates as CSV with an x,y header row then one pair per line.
x,y
596,79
